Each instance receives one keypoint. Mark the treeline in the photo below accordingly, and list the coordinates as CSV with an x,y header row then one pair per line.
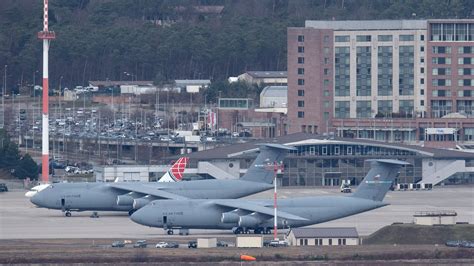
x,y
172,39
11,160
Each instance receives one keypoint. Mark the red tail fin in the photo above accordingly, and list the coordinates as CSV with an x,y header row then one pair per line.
x,y
178,167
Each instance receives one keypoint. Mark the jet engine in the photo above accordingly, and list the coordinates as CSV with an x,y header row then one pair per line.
x,y
141,202
125,200
230,217
251,220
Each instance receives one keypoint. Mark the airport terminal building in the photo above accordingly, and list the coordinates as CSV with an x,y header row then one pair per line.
x,y
322,161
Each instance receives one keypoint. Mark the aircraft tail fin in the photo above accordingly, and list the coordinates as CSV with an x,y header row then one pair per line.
x,y
262,168
175,173
378,180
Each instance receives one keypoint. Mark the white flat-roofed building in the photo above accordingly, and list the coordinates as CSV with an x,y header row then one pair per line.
x,y
337,236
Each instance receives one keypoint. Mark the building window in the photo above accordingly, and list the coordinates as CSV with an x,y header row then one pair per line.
x,y
342,109
300,81
441,71
442,60
326,39
441,82
300,114
422,48
326,82
301,241
422,102
465,71
344,38
326,50
406,66
384,108
441,93
300,38
339,242
300,103
326,71
330,242
466,82
306,242
326,93
300,71
344,241
342,71
300,92
363,109
300,60
363,71
326,60
422,81
422,92
407,38
422,70
465,61
363,38
300,49
385,67
422,37
326,104
384,38
406,108
422,59
465,50
441,49
326,115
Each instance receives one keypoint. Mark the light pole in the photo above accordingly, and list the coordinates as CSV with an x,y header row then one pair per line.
x,y
60,87
3,96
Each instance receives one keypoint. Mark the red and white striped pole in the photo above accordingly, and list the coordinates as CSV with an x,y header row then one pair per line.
x,y
278,168
275,219
46,36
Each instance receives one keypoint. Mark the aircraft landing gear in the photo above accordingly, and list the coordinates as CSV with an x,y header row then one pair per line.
x,y
259,230
238,230
170,232
68,214
268,231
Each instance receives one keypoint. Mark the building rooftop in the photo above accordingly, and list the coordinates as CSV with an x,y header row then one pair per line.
x,y
106,83
298,139
322,232
184,82
367,24
275,91
268,74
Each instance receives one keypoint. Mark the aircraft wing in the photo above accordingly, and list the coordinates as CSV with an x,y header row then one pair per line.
x,y
146,190
252,207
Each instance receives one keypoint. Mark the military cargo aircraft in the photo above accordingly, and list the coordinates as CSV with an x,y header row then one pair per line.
x,y
243,216
131,196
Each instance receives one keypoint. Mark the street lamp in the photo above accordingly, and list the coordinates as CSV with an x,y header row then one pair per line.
x,y
60,87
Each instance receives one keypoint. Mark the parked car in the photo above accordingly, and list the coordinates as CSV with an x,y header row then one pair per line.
x,y
140,244
222,244
118,244
161,245
278,243
192,244
3,187
172,245
453,243
467,244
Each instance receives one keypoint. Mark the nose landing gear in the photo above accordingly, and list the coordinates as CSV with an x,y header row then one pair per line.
x,y
68,214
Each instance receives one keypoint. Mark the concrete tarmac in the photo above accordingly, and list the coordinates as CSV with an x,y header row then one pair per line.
x,y
20,219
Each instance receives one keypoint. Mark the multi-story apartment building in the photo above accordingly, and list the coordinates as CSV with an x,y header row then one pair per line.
x,y
390,80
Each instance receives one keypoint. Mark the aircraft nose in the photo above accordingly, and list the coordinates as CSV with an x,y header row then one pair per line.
x,y
37,199
141,217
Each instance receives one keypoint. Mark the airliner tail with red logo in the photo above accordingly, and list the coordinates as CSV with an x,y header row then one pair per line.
x,y
175,174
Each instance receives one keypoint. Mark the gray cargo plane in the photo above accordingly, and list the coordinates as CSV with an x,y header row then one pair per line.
x,y
131,196
257,215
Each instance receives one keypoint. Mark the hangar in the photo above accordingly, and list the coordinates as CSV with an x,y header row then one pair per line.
x,y
326,161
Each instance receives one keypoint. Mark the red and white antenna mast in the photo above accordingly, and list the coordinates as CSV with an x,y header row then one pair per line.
x,y
278,169
46,36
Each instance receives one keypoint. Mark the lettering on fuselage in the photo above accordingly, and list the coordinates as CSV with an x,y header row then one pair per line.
x,y
172,213
73,196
